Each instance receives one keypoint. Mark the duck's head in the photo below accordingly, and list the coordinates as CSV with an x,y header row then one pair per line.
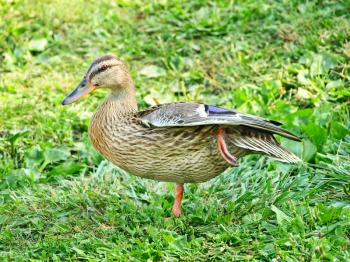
x,y
105,72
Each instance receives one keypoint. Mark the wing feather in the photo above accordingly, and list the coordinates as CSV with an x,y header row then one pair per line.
x,y
265,143
192,114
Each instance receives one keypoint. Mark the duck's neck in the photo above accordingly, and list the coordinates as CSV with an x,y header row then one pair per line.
x,y
119,104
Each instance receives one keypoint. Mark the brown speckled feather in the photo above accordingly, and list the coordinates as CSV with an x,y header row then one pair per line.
x,y
180,154
166,154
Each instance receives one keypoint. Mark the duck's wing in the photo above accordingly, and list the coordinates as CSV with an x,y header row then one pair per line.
x,y
184,114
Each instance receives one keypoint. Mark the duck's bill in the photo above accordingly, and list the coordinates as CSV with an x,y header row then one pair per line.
x,y
81,90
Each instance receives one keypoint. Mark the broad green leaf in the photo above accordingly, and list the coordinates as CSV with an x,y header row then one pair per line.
x,y
37,45
280,215
53,155
66,168
338,130
322,63
316,66
309,150
316,133
293,146
252,218
34,157
152,71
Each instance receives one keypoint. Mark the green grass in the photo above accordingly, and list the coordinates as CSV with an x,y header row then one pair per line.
x,y
285,60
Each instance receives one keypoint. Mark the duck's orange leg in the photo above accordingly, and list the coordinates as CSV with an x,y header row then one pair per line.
x,y
179,190
223,147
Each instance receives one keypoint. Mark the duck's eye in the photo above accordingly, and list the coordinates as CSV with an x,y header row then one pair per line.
x,y
103,68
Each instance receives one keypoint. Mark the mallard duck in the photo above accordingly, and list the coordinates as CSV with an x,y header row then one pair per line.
x,y
181,142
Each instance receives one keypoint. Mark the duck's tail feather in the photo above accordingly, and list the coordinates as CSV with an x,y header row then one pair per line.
x,y
266,144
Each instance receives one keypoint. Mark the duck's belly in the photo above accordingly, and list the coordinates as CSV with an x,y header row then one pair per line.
x,y
182,155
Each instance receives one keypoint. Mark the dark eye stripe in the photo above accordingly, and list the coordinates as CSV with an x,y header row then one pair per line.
x,y
101,69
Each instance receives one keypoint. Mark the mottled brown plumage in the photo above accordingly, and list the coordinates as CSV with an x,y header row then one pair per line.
x,y
178,142
179,154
